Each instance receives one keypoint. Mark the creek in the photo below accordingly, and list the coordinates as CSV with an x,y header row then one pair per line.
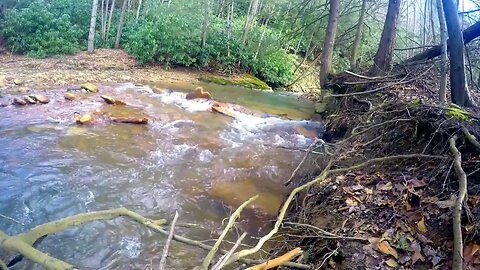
x,y
187,159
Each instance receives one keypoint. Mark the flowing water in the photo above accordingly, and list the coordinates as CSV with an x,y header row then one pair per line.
x,y
187,159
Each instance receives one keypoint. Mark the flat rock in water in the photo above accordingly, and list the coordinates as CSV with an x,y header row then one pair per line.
x,y
41,98
70,96
19,101
130,120
312,134
17,81
90,87
113,101
223,109
198,93
29,100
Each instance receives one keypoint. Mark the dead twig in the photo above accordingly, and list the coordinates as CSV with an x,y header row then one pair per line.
x,y
231,221
227,256
309,150
402,81
457,208
369,78
12,220
163,261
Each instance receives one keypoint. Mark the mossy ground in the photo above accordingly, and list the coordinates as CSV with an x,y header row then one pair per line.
x,y
248,81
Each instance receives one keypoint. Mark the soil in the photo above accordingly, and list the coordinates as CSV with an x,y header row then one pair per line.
x,y
391,214
101,66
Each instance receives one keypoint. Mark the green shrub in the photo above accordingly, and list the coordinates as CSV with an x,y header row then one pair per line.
x,y
276,67
38,32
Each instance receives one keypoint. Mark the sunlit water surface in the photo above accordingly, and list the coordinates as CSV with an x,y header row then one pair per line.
x,y
188,159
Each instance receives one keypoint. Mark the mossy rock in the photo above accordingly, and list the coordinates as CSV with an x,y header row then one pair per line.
x,y
248,81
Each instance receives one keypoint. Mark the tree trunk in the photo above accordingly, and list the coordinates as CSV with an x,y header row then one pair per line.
x,y
384,54
469,34
206,16
329,42
138,9
102,15
110,20
457,60
120,24
358,37
252,13
93,23
443,36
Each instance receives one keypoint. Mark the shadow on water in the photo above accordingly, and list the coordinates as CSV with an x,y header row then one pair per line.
x,y
188,159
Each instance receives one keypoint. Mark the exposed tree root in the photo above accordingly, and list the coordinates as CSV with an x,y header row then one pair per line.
x,y
471,138
219,265
457,208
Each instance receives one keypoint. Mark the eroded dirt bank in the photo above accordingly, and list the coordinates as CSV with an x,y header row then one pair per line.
x,y
385,192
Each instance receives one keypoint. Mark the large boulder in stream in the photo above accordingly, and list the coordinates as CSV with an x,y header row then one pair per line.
x,y
198,93
90,87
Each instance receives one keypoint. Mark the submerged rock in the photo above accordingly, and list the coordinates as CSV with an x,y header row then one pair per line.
x,y
312,134
40,98
17,82
113,101
198,93
70,96
19,101
90,87
130,120
223,108
237,192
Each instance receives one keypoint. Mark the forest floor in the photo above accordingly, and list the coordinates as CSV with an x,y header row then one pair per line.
x,y
392,207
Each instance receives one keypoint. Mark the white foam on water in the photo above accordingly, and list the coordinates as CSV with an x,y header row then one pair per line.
x,y
191,105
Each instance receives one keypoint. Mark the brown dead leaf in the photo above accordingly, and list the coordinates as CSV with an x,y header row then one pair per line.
x,y
368,191
422,227
391,263
471,252
351,202
385,187
417,255
385,248
416,183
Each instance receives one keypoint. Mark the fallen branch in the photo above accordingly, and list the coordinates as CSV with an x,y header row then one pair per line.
x,y
307,153
383,159
471,138
368,128
227,256
278,261
402,81
231,222
369,78
246,252
163,261
457,208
